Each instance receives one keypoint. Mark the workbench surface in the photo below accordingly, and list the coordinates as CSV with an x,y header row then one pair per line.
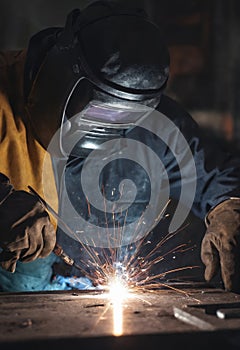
x,y
85,319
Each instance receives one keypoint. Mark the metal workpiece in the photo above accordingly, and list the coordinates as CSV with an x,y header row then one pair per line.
x,y
177,317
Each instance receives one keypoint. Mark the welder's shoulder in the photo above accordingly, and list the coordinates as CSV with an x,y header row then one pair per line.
x,y
176,113
11,57
10,61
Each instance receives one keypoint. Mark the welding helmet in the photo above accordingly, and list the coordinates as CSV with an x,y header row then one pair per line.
x,y
96,78
107,50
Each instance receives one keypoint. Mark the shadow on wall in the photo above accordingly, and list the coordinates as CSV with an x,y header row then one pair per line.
x,y
19,20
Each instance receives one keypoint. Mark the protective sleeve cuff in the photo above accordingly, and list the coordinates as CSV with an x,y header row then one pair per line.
x,y
5,187
230,199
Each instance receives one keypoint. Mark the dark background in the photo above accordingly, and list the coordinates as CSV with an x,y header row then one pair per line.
x,y
204,42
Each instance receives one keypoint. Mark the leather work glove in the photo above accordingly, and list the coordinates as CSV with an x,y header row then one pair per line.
x,y
221,244
26,232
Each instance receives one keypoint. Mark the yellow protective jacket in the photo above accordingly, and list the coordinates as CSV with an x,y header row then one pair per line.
x,y
21,155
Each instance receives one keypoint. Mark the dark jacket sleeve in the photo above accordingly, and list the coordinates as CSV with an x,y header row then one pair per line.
x,y
218,171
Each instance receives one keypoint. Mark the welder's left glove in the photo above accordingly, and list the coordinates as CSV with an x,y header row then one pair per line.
x,y
26,232
221,244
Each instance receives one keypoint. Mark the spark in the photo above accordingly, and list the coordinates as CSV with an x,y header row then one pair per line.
x,y
118,292
133,270
125,276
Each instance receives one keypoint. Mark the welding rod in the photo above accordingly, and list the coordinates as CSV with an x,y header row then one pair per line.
x,y
58,250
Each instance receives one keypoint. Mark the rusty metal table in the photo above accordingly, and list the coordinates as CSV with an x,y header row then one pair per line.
x,y
175,319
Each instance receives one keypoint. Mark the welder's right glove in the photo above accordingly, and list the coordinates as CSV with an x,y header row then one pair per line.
x,y
221,244
26,232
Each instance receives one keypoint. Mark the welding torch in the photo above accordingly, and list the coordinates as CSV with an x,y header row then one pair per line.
x,y
58,250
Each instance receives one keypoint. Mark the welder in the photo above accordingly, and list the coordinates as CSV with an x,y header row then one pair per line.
x,y
107,66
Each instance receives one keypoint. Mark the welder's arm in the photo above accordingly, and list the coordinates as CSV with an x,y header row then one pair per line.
x,y
221,244
26,232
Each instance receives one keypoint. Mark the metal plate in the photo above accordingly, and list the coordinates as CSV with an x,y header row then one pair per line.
x,y
82,318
